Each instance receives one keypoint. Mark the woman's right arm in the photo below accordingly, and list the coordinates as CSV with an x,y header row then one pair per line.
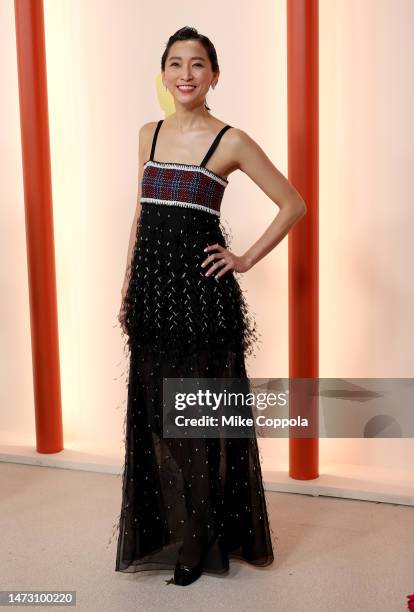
x,y
145,134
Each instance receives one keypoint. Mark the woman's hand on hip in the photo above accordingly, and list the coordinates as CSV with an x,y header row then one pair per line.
x,y
223,260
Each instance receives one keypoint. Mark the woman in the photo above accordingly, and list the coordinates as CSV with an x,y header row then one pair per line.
x,y
191,504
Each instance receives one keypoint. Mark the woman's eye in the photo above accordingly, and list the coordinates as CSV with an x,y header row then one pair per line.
x,y
176,64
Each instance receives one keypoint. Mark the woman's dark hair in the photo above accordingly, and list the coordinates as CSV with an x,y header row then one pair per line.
x,y
188,33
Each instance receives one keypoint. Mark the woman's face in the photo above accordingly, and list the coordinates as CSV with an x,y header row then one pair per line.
x,y
188,64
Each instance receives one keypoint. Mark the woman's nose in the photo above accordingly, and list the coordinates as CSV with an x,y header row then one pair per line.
x,y
186,73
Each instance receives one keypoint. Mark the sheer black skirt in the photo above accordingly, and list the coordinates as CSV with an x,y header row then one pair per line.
x,y
197,498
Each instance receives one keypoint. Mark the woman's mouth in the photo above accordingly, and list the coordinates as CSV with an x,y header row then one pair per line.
x,y
186,88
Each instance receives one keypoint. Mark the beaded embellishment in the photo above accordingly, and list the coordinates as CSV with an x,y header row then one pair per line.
x,y
206,171
185,204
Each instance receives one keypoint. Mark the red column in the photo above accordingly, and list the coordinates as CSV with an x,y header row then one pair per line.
x,y
303,167
34,125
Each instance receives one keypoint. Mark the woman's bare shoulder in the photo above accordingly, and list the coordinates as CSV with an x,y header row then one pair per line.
x,y
146,133
235,139
147,129
237,136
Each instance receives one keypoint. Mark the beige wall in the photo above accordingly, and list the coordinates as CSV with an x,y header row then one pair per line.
x,y
103,57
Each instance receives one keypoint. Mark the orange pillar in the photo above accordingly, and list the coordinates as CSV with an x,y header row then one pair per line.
x,y
34,125
303,167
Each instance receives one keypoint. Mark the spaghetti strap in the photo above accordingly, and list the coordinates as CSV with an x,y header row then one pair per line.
x,y
214,144
154,139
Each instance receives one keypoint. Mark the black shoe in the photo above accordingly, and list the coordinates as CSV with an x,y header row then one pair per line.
x,y
185,575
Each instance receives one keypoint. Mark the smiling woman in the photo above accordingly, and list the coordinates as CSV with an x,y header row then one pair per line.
x,y
191,504
188,74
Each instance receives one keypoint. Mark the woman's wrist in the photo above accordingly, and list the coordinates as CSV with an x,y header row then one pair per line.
x,y
248,261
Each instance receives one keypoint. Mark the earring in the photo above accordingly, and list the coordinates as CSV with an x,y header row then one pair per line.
x,y
165,86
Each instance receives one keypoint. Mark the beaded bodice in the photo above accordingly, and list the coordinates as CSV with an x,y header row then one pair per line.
x,y
188,185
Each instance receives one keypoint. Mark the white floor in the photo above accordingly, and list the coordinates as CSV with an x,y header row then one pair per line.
x,y
332,554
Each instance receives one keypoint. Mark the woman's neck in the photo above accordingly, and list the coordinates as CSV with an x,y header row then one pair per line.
x,y
185,119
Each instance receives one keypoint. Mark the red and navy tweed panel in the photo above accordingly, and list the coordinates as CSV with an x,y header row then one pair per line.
x,y
182,185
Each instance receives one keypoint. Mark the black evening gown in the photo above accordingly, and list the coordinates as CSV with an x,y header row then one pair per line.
x,y
185,498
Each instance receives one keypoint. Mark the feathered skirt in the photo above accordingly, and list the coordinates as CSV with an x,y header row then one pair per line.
x,y
200,498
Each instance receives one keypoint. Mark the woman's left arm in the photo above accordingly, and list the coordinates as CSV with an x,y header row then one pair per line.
x,y
253,161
